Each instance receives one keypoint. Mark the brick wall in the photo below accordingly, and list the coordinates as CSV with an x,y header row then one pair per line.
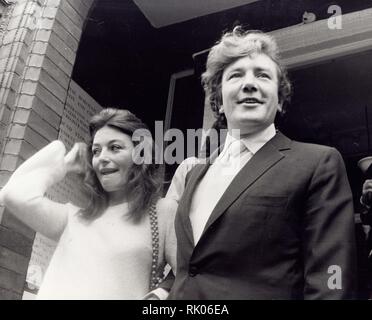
x,y
38,47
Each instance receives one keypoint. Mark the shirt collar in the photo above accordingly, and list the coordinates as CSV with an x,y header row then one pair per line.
x,y
253,143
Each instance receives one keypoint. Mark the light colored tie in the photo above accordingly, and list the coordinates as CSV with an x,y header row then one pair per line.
x,y
233,158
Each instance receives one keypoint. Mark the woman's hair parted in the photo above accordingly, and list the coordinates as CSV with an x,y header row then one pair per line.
x,y
144,180
231,47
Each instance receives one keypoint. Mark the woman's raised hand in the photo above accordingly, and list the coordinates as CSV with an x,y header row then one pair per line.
x,y
76,159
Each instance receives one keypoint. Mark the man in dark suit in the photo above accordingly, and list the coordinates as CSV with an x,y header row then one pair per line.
x,y
365,257
267,218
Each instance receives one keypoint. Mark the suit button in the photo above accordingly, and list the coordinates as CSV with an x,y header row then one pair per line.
x,y
193,271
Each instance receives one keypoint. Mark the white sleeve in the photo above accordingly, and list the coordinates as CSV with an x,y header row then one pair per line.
x,y
166,209
157,294
177,186
24,193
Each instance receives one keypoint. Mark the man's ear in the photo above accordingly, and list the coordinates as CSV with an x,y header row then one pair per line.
x,y
280,106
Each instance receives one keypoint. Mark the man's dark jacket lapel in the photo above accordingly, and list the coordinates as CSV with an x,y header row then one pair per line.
x,y
262,161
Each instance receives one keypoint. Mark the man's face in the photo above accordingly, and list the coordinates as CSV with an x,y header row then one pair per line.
x,y
250,93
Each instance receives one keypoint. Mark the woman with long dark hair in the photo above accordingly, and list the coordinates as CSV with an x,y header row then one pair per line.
x,y
117,246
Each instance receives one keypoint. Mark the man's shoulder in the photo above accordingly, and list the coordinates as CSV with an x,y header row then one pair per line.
x,y
312,150
314,153
311,147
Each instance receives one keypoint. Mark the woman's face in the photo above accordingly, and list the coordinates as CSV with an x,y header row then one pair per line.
x,y
112,158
